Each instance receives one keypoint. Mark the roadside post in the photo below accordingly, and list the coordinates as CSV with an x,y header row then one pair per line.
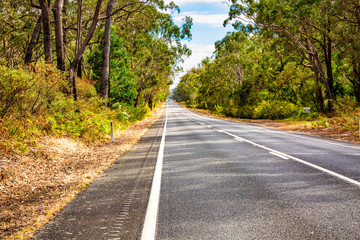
x,y
112,132
306,109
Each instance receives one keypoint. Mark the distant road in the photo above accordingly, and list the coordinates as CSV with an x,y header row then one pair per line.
x,y
227,180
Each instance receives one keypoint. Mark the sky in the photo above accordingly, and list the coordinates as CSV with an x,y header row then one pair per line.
x,y
208,17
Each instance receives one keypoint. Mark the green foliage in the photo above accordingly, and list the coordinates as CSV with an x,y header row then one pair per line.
x,y
29,92
323,122
41,108
275,110
126,114
122,84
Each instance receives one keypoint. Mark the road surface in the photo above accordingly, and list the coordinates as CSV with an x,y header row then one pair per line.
x,y
227,180
218,179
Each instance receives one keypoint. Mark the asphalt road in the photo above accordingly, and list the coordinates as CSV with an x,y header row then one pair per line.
x,y
220,180
114,205
227,180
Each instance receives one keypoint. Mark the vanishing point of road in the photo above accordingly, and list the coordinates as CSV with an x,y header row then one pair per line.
x,y
195,177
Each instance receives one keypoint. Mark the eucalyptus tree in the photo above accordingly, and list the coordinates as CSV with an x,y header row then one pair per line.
x,y
124,11
347,34
305,25
16,24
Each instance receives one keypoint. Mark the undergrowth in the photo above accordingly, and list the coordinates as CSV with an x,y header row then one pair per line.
x,y
34,104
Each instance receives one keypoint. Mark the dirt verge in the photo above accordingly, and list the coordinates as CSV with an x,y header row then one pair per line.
x,y
35,186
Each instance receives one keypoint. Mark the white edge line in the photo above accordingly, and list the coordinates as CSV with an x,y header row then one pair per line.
x,y
272,151
279,155
149,229
239,139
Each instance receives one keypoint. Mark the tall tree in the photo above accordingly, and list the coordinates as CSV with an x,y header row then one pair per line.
x,y
104,86
34,38
79,34
80,53
296,22
45,11
59,35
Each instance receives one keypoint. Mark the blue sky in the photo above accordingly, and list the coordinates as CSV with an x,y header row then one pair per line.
x,y
208,17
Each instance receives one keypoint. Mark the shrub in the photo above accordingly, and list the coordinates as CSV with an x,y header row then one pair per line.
x,y
246,112
345,105
24,92
219,110
323,122
275,110
307,116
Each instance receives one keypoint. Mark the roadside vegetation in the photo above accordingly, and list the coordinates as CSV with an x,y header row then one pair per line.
x,y
67,70
283,59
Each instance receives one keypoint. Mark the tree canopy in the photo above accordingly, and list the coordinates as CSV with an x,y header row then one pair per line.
x,y
281,57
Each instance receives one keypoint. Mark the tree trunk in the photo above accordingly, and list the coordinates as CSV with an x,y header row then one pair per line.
x,y
79,69
73,88
138,96
318,92
59,35
33,40
79,37
323,77
328,61
356,81
104,85
45,11
82,48
65,6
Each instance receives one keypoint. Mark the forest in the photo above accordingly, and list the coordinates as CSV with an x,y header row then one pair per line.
x,y
70,67
282,57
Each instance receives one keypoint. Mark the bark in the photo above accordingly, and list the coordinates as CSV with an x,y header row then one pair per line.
x,y
356,80
79,36
104,85
323,77
33,40
45,11
66,2
356,85
59,35
79,68
318,92
82,48
329,71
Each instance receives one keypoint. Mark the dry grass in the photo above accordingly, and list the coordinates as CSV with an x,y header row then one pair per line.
x,y
35,186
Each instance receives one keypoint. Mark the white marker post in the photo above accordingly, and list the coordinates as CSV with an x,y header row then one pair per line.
x,y
112,131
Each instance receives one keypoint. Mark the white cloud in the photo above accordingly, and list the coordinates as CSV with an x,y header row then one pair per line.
x,y
199,52
210,19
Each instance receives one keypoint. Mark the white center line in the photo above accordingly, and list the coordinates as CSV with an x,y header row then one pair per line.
x,y
283,155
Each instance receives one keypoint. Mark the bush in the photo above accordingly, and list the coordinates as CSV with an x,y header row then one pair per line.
x,y
307,116
219,110
126,113
345,105
246,112
275,110
24,92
